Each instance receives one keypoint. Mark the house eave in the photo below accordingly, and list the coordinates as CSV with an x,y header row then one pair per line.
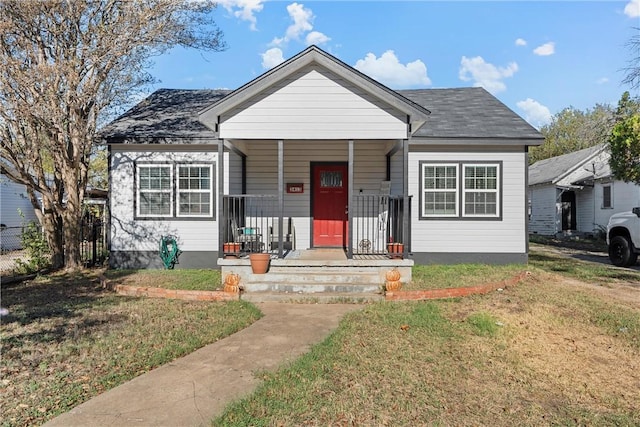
x,y
450,140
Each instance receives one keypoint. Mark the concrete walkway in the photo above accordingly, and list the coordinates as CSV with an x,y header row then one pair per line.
x,y
192,390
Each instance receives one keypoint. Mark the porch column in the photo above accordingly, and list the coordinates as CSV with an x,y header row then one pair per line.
x,y
405,196
350,205
221,228
280,196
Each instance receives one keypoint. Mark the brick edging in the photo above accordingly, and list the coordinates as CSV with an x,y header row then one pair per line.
x,y
455,292
151,292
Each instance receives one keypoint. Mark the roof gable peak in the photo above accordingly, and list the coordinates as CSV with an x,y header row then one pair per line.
x,y
313,55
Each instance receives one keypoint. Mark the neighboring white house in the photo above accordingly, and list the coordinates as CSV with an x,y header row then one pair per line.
x,y
308,146
15,211
576,192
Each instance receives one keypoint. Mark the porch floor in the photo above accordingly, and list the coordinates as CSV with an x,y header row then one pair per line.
x,y
321,272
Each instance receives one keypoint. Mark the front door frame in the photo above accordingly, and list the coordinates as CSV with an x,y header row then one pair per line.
x,y
312,166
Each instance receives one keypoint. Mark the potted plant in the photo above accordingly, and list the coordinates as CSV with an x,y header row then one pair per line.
x,y
231,249
395,249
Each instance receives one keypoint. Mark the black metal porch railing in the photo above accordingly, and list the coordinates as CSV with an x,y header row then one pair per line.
x,y
378,225
247,223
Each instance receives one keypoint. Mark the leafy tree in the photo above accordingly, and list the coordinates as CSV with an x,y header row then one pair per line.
x,y
624,142
99,169
64,64
572,129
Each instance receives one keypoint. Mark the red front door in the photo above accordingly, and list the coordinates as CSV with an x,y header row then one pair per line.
x,y
330,202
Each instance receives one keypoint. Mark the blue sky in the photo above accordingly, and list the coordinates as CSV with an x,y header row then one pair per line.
x,y
536,57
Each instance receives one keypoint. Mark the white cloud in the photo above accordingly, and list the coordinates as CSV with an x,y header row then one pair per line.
x,y
545,49
484,74
632,9
521,42
272,58
388,70
243,9
317,38
302,21
602,80
535,113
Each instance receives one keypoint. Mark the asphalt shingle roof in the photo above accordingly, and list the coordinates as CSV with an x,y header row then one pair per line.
x,y
165,114
168,115
550,170
468,113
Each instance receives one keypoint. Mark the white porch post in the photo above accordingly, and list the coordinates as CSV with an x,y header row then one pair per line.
x,y
221,225
350,204
280,196
405,196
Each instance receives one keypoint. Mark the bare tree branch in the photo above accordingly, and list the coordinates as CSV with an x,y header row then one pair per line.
x,y
65,64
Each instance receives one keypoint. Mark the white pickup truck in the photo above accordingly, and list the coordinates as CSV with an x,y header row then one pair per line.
x,y
623,238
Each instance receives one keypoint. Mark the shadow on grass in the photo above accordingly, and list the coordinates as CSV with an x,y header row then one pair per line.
x,y
51,308
583,270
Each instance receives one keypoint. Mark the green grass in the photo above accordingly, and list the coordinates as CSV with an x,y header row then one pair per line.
x,y
66,339
442,363
582,270
460,275
193,280
540,353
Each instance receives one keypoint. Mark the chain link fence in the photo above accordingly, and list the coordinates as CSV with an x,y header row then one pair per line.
x,y
11,249
93,246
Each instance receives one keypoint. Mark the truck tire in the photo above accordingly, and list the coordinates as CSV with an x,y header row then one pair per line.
x,y
620,252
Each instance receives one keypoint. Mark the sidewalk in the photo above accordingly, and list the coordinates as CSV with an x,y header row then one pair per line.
x,y
192,390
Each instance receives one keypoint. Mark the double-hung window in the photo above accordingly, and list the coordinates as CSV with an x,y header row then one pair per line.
x,y
155,191
480,190
195,197
439,190
179,190
460,190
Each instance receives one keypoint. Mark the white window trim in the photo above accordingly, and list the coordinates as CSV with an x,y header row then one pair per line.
x,y
496,191
179,191
435,190
139,191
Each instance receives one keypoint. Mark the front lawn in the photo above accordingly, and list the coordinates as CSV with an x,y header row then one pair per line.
x,y
542,353
191,280
66,339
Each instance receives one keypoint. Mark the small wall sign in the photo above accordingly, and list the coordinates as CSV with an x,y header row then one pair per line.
x,y
295,188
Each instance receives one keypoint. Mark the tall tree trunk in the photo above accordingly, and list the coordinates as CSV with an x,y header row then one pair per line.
x,y
72,217
52,228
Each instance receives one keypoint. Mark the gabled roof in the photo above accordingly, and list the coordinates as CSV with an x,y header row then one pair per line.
x,y
469,113
164,116
554,169
314,55
172,115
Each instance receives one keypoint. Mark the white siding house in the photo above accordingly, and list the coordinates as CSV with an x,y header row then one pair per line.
x,y
576,192
15,211
315,145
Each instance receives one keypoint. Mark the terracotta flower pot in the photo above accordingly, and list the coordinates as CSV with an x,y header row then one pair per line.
x,y
395,250
259,262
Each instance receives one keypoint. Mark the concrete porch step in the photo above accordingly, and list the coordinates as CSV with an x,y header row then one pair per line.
x,y
321,277
313,298
293,287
